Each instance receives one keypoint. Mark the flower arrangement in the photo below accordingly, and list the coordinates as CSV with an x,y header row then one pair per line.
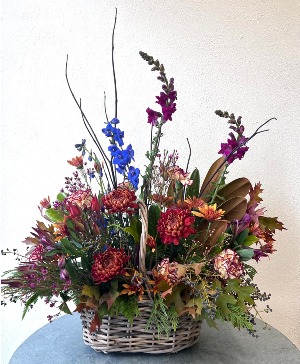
x,y
200,240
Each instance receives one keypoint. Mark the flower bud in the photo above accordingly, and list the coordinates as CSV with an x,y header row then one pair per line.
x,y
64,275
95,204
73,210
61,261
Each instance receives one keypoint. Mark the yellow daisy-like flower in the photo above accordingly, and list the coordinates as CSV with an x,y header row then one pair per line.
x,y
209,212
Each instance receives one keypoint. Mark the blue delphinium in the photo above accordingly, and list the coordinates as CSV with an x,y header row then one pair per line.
x,y
133,176
81,147
121,157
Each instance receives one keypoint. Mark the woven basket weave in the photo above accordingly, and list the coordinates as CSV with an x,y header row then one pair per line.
x,y
116,334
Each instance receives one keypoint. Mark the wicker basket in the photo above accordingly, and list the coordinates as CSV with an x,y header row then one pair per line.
x,y
116,334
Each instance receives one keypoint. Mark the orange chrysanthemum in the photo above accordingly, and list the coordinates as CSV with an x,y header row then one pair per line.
x,y
209,212
120,200
109,264
194,203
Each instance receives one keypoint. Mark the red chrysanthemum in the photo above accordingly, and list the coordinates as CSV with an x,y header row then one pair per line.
x,y
174,224
109,264
120,200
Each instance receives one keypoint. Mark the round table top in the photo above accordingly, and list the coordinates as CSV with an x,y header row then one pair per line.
x,y
61,343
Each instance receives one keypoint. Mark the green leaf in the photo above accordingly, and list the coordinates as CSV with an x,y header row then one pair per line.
x,y
210,322
271,223
242,236
70,224
193,189
64,307
86,263
91,291
61,196
52,252
223,300
71,228
32,300
251,239
78,245
126,306
54,215
250,270
175,297
245,254
243,292
135,229
216,284
196,302
69,247
153,216
72,270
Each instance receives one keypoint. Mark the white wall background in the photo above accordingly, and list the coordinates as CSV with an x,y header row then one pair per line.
x,y
241,56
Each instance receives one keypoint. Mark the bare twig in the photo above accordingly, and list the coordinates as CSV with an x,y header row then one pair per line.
x,y
90,130
113,66
105,107
190,153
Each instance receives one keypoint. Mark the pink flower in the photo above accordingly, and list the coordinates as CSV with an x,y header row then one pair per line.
x,y
37,253
227,264
167,271
81,198
176,173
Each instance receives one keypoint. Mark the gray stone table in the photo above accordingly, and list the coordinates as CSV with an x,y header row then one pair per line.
x,y
61,343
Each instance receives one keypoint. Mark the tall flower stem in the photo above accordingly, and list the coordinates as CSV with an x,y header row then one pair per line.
x,y
218,184
146,188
